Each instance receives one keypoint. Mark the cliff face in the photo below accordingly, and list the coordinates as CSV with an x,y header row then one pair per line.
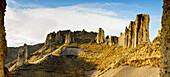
x,y
66,36
137,32
56,38
165,40
22,55
3,45
100,36
113,40
13,51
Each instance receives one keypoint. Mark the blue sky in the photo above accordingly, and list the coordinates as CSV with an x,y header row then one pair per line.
x,y
36,18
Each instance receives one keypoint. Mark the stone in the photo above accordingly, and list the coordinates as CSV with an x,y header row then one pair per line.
x,y
50,39
3,44
100,36
159,33
113,40
12,53
54,39
157,39
165,40
136,33
68,38
22,55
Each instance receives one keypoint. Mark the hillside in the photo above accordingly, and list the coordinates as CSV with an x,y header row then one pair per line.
x,y
80,53
93,56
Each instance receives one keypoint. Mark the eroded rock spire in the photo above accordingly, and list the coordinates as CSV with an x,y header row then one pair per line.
x,y
136,33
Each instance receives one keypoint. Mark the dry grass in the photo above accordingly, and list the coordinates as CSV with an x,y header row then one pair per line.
x,y
103,56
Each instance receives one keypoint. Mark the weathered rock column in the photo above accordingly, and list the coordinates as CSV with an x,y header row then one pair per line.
x,y
22,55
68,38
165,40
126,38
3,45
113,40
136,33
100,36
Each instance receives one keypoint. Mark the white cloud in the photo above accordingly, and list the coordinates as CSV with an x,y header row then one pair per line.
x,y
32,25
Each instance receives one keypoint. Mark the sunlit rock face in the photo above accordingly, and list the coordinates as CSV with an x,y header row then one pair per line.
x,y
22,55
3,45
12,53
3,48
136,33
67,36
112,40
165,40
100,36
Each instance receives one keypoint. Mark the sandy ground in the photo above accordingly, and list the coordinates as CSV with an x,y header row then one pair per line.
x,y
128,71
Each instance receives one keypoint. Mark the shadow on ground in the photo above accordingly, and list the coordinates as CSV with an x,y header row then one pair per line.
x,y
55,66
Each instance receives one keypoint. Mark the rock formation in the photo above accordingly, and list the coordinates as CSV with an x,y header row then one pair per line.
x,y
100,36
13,51
3,45
157,39
22,55
113,40
165,40
56,38
51,41
136,33
66,36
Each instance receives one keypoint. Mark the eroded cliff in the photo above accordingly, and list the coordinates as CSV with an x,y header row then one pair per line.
x,y
136,33
165,40
3,44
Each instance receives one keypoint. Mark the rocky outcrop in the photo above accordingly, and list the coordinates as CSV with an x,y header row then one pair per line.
x,y
3,45
136,33
66,36
100,36
157,39
83,36
165,40
56,38
51,40
22,55
113,40
13,51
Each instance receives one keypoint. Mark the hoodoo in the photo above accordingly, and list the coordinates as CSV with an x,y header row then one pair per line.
x,y
100,36
136,33
22,55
